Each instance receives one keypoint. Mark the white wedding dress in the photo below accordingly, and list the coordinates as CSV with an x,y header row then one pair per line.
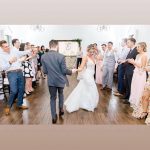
x,y
85,95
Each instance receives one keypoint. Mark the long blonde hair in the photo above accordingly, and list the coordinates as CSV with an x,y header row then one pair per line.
x,y
143,45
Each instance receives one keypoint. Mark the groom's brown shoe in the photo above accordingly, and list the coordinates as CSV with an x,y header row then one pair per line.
x,y
7,111
22,107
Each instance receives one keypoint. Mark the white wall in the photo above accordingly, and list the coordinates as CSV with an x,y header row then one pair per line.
x,y
88,33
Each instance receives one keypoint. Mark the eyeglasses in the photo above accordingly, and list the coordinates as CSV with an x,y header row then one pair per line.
x,y
5,46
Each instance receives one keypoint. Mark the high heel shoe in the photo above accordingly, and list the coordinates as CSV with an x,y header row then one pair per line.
x,y
143,115
32,90
28,93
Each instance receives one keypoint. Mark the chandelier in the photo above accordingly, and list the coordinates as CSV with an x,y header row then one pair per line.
x,y
39,28
101,28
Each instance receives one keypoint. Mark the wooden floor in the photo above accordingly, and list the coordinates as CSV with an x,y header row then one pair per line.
x,y
110,110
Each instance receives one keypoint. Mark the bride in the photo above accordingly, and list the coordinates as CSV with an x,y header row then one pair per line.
x,y
85,95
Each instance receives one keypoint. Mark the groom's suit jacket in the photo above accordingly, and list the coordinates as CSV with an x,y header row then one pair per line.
x,y
54,65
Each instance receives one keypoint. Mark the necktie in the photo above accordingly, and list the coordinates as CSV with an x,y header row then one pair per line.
x,y
130,51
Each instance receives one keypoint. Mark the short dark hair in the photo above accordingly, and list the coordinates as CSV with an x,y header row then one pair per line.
x,y
27,43
2,42
104,45
132,40
125,40
110,43
95,44
53,43
47,50
42,47
22,46
14,41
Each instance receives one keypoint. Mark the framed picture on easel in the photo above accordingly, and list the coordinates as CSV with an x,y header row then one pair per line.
x,y
69,47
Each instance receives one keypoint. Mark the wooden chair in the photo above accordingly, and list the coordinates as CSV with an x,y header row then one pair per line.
x,y
5,89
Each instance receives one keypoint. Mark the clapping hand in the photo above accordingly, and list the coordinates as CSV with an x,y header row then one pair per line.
x,y
22,59
131,61
12,60
146,68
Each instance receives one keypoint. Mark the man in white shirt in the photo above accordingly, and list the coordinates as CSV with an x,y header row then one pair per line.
x,y
104,48
11,64
121,56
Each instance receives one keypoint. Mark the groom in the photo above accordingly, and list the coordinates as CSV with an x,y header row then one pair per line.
x,y
54,66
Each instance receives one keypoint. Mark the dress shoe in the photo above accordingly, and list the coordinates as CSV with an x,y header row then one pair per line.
x,y
7,111
22,107
125,98
61,113
126,102
54,120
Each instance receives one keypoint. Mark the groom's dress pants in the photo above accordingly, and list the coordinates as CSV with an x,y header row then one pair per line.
x,y
53,96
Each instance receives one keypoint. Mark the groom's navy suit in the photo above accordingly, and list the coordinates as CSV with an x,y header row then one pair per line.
x,y
54,66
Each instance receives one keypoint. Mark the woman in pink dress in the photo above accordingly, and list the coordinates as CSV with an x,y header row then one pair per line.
x,y
99,72
99,62
139,77
143,112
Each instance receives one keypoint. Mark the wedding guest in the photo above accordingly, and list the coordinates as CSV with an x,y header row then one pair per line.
x,y
34,66
96,53
108,67
28,73
129,68
11,63
145,107
122,54
79,58
104,48
139,75
40,53
99,63
1,84
43,49
32,46
46,50
143,111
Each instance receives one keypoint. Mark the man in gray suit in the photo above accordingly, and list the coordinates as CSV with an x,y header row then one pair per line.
x,y
54,66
